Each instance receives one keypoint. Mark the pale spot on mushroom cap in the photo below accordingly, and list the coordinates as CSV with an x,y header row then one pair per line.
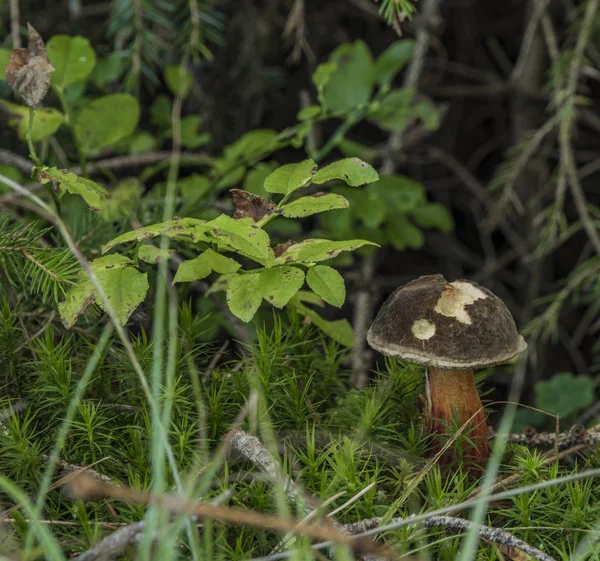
x,y
423,329
455,296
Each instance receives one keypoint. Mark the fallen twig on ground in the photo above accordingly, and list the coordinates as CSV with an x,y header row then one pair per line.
x,y
495,535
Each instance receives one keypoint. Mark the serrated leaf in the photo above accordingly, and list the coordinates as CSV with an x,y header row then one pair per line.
x,y
242,236
92,193
279,284
402,234
353,171
244,295
433,215
46,121
152,254
310,251
328,284
106,120
305,206
73,59
191,229
392,60
290,177
565,394
348,82
204,265
124,286
123,200
178,79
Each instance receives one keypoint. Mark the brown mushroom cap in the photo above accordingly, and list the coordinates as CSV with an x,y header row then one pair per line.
x,y
456,325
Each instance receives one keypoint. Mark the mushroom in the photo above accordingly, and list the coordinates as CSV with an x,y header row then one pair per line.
x,y
453,328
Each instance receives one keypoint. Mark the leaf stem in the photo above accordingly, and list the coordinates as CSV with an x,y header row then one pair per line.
x,y
34,158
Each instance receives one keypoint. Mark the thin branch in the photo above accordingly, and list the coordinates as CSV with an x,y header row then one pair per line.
x,y
15,17
495,535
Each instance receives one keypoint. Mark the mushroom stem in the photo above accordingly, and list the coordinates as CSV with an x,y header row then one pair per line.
x,y
453,399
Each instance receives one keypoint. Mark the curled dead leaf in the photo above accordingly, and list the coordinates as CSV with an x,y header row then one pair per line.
x,y
28,70
250,205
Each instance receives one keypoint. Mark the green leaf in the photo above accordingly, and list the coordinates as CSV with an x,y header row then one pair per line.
x,y
107,69
339,330
73,59
399,194
204,265
152,254
190,229
309,112
279,284
394,111
194,187
369,208
433,215
305,206
190,138
161,112
242,236
123,200
46,121
328,284
179,80
399,108
142,142
244,296
253,146
353,171
125,288
565,394
290,177
353,149
106,120
392,60
92,193
11,172
310,251
349,82
403,234
4,58
255,179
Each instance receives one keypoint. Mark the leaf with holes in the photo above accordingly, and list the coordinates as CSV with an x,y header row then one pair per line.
x,y
310,251
73,59
328,284
152,254
353,171
204,265
279,284
106,120
244,295
321,202
92,193
290,177
190,229
125,288
242,236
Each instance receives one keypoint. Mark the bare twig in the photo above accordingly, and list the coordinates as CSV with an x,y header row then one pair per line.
x,y
495,535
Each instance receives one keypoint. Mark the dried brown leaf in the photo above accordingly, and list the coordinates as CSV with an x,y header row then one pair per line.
x,y
250,205
28,70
